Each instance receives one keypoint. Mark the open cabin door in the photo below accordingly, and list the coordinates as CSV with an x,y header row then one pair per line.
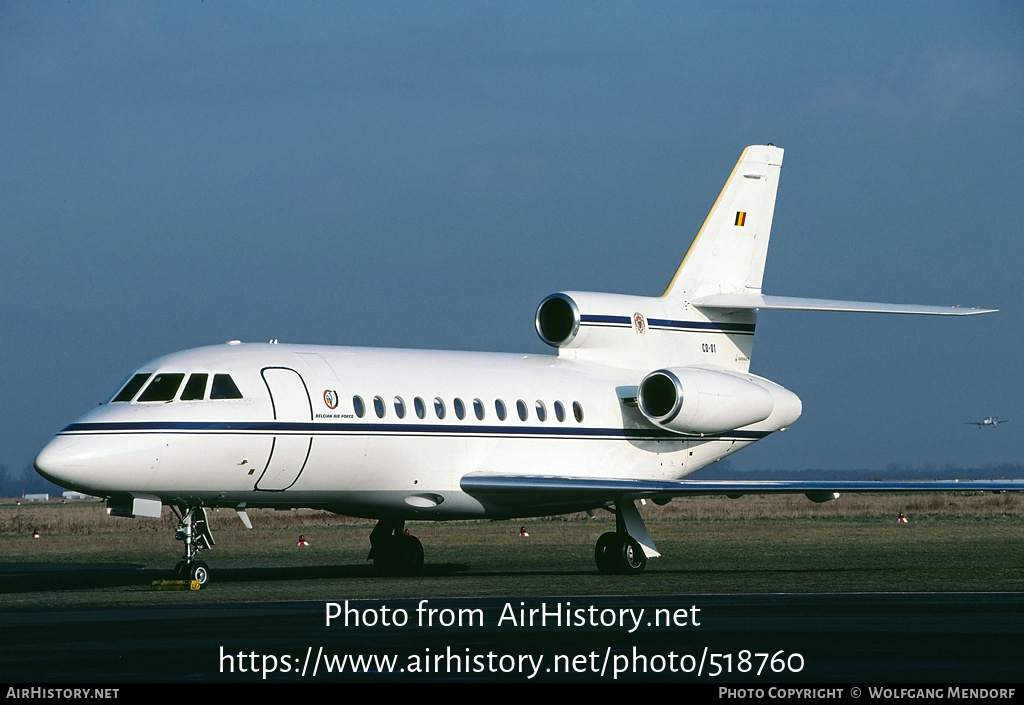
x,y
293,414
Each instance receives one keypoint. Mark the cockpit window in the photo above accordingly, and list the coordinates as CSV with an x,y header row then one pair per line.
x,y
224,388
195,388
129,390
163,387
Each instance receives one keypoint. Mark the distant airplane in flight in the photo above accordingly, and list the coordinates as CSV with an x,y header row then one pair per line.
x,y
643,392
988,421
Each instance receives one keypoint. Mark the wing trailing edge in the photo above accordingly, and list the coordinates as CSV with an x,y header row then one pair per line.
x,y
511,490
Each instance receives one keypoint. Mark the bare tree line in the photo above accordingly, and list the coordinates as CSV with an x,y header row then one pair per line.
x,y
18,483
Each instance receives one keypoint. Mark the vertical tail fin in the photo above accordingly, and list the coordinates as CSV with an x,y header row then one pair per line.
x,y
728,254
726,259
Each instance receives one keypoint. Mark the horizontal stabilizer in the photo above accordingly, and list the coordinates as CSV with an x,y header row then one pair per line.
x,y
511,490
792,303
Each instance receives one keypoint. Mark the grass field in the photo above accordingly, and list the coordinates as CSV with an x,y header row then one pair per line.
x,y
709,545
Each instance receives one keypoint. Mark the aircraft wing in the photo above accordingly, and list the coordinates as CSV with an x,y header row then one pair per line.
x,y
534,490
791,303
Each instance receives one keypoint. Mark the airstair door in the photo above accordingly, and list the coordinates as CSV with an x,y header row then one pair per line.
x,y
293,415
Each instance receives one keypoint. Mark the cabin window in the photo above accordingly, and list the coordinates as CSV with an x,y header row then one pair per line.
x,y
559,411
478,409
522,410
499,409
195,388
400,407
378,407
460,409
129,390
163,387
439,407
224,388
358,406
542,412
420,407
577,411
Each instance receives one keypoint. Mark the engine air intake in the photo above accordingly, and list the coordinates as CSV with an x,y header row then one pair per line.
x,y
558,320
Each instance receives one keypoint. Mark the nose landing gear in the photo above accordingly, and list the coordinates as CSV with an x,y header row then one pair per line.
x,y
194,530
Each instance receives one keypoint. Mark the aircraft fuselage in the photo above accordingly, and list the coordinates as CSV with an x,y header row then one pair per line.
x,y
375,432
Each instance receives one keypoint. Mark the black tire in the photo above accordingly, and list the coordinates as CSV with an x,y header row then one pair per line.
x,y
606,552
410,555
383,554
180,570
632,559
200,572
400,555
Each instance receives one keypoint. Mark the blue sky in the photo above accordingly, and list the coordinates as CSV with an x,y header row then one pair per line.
x,y
423,174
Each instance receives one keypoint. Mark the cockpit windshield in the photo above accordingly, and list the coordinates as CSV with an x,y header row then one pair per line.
x,y
132,388
165,385
224,388
195,388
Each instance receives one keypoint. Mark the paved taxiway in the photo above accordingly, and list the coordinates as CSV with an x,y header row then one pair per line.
x,y
847,638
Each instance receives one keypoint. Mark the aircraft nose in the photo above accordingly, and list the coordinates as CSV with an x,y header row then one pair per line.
x,y
60,462
95,464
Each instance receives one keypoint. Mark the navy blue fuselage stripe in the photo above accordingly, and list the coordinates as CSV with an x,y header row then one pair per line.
x,y
667,324
701,325
357,428
614,320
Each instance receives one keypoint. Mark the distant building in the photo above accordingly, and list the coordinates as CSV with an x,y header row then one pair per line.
x,y
37,498
70,494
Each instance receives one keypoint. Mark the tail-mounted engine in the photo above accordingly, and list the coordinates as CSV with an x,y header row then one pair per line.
x,y
641,332
698,401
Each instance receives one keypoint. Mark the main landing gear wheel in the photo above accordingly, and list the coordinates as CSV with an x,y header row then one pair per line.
x,y
393,550
604,552
632,559
400,555
619,554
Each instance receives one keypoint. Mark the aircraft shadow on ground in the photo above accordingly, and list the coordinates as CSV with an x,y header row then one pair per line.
x,y
45,577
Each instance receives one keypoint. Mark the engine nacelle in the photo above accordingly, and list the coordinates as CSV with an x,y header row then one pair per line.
x,y
700,401
643,332
578,320
558,320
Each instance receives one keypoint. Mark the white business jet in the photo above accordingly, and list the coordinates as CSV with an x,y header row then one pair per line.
x,y
643,392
